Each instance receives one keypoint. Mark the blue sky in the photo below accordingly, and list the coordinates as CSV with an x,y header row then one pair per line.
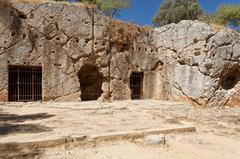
x,y
142,11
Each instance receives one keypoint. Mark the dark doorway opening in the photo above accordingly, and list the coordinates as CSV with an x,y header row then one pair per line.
x,y
230,80
24,83
90,82
136,85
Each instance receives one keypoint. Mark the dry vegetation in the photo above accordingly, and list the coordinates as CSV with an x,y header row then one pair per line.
x,y
4,3
127,31
7,3
33,1
218,27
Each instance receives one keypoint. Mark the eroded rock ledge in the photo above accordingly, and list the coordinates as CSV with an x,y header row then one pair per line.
x,y
190,61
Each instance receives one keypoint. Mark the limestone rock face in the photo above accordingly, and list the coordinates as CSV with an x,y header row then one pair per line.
x,y
190,61
205,62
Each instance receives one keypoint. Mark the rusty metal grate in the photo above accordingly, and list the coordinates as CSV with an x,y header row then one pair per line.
x,y
24,83
136,85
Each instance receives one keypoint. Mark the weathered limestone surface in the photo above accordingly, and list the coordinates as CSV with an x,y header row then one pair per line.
x,y
205,62
189,61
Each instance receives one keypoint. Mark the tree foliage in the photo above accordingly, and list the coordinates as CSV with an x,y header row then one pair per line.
x,y
110,7
90,1
173,11
227,15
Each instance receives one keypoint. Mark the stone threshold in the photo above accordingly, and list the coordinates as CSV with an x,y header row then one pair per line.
x,y
106,137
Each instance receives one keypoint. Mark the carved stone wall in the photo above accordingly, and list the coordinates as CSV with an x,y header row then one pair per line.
x,y
189,61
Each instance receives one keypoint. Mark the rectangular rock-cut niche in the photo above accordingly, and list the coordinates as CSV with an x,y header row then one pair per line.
x,y
24,83
136,85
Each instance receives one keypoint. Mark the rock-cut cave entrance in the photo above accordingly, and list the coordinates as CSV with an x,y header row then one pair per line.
x,y
136,85
230,79
91,83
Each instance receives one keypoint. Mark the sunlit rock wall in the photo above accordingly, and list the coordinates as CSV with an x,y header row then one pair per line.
x,y
190,61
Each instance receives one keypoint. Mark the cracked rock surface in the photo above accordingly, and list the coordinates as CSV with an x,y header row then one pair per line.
x,y
190,61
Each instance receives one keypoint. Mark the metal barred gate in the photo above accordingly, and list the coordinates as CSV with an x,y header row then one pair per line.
x,y
24,83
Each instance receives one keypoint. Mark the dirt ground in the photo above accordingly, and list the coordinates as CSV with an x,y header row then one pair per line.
x,y
217,136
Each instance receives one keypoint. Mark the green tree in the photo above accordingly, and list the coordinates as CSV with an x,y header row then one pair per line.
x,y
112,7
90,1
227,15
173,11
109,7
